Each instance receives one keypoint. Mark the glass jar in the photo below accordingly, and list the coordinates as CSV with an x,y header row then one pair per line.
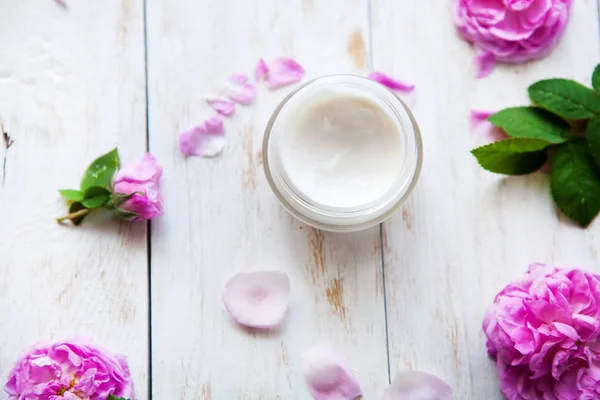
x,y
351,218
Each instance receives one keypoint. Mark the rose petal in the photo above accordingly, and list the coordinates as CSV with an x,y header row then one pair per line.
x,y
518,5
214,125
204,140
238,78
536,13
480,126
328,377
390,82
257,299
261,70
484,63
223,107
488,12
566,330
416,385
243,94
511,29
479,117
282,72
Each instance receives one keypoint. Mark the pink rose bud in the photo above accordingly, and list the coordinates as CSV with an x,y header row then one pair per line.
x,y
137,186
71,370
511,31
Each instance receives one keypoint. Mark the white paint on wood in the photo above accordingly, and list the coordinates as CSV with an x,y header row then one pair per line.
x,y
221,217
71,88
465,233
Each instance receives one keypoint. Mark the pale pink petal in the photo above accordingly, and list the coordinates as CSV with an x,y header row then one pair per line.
x,y
204,140
481,127
282,72
328,376
566,330
261,70
243,94
223,107
257,299
214,125
484,62
415,385
61,3
479,118
390,82
238,78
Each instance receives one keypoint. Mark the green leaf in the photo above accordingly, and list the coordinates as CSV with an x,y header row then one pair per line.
x,y
74,207
96,196
111,397
575,182
515,156
95,191
531,122
96,202
596,78
593,137
101,171
566,98
71,194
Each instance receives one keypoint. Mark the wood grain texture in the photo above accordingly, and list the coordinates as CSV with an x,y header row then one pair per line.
x,y
71,88
465,233
221,217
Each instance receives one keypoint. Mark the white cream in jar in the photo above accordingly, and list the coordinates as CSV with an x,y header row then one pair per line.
x,y
342,152
341,149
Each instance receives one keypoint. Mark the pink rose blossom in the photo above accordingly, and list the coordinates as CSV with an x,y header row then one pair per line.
x,y
544,331
140,177
511,31
69,370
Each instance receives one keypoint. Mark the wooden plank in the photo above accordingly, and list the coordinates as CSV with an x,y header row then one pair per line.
x,y
71,87
465,233
221,217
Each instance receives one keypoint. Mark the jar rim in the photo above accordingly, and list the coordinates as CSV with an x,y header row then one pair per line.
x,y
347,218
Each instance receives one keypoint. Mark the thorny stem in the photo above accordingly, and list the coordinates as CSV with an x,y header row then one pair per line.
x,y
76,214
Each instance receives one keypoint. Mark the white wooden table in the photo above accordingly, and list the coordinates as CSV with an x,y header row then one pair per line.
x,y
410,294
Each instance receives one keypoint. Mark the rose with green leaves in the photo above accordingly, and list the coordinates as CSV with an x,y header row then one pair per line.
x,y
562,127
131,192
